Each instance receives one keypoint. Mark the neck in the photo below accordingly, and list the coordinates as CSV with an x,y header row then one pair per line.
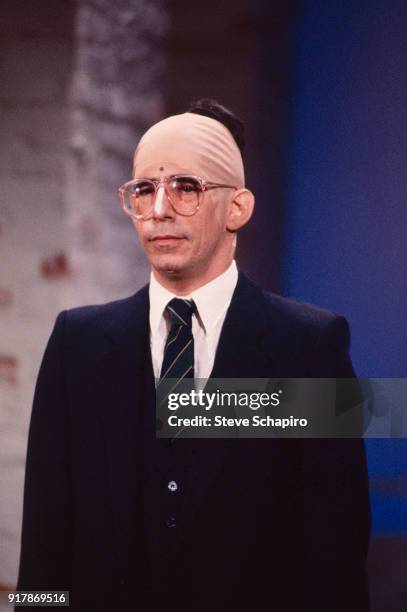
x,y
181,284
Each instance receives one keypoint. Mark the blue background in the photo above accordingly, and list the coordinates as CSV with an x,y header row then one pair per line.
x,y
345,215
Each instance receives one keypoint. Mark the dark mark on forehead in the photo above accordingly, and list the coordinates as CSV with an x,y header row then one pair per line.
x,y
161,168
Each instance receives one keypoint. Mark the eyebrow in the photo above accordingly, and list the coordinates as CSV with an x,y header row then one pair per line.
x,y
154,178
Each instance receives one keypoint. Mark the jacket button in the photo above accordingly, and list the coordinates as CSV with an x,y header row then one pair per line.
x,y
172,485
170,522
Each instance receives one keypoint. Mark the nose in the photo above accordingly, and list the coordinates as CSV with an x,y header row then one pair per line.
x,y
162,208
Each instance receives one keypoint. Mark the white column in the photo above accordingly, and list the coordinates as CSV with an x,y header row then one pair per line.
x,y
116,94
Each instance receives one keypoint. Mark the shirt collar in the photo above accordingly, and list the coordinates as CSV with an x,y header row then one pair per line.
x,y
212,299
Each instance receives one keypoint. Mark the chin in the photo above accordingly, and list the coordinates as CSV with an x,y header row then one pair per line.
x,y
168,265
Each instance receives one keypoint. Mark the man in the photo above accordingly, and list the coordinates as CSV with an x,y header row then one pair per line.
x,y
125,521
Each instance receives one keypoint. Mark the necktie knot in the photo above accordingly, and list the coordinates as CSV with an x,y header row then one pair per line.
x,y
181,311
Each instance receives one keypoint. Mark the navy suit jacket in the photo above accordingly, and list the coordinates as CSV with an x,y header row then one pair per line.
x,y
268,524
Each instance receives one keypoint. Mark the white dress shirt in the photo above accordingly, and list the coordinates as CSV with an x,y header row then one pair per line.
x,y
212,301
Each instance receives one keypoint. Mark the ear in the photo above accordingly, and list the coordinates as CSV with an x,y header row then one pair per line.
x,y
241,209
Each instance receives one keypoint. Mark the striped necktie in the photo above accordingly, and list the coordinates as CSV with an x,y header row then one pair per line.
x,y
178,360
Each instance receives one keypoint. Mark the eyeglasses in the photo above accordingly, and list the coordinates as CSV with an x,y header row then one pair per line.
x,y
184,193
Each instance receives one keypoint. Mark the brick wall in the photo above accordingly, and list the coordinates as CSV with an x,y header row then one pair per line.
x,y
80,83
36,59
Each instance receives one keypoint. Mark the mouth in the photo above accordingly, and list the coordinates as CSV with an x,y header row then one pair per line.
x,y
166,239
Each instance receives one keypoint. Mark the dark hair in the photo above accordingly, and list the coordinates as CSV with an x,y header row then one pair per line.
x,y
211,108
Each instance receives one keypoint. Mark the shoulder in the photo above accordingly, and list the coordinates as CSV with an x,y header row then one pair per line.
x,y
325,330
299,314
297,330
93,320
287,313
99,313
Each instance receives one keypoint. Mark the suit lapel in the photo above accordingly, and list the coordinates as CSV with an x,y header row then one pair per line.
x,y
121,373
240,352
